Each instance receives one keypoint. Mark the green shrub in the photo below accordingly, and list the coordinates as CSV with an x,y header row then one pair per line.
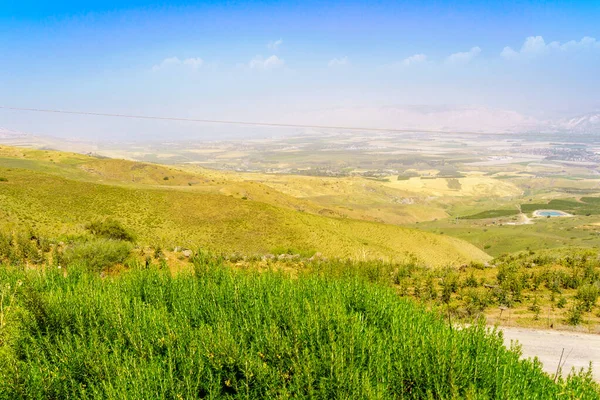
x,y
3,179
97,254
219,333
6,248
291,250
110,229
575,315
158,252
453,184
588,295
27,249
471,281
535,307
57,257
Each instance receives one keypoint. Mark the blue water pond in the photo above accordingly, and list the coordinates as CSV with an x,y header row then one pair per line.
x,y
550,213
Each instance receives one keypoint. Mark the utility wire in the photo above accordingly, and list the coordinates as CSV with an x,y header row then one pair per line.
x,y
246,123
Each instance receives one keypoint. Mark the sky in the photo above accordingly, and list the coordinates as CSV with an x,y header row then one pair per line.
x,y
284,61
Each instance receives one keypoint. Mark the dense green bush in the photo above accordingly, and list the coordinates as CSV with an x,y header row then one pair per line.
x,y
6,246
220,333
588,295
110,229
28,248
21,247
97,254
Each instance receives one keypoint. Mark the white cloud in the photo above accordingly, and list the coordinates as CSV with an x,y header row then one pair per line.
x,y
414,59
585,43
463,57
194,62
272,62
166,63
275,44
175,61
335,62
536,45
508,53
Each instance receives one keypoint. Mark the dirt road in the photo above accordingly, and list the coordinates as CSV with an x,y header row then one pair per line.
x,y
547,345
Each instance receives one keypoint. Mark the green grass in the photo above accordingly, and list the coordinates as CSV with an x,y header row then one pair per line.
x,y
221,333
588,205
545,233
492,214
591,200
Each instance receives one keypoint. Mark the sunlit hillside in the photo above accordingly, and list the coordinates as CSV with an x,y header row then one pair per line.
x,y
160,207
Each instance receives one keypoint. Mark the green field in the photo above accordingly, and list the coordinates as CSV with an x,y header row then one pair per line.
x,y
586,206
492,214
545,233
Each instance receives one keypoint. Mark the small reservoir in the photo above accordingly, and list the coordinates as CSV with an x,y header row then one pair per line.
x,y
550,213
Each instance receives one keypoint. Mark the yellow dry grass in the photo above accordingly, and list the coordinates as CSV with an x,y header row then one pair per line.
x,y
220,214
470,186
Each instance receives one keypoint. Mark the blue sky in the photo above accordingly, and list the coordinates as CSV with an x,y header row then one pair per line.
x,y
285,61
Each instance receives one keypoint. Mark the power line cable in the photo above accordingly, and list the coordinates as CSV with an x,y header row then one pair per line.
x,y
246,123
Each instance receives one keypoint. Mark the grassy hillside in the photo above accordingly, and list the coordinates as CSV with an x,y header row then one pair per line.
x,y
385,200
221,333
354,197
62,200
544,233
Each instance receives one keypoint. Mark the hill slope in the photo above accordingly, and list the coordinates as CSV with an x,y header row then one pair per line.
x,y
56,205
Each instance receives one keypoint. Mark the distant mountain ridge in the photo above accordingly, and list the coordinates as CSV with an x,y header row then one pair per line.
x,y
12,137
414,117
8,133
586,123
449,118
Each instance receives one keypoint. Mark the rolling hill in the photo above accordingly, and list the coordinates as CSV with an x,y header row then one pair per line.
x,y
56,194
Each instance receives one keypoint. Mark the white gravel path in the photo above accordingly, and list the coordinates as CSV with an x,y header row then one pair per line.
x,y
547,345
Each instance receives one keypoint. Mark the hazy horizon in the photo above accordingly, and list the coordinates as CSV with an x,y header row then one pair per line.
x,y
518,65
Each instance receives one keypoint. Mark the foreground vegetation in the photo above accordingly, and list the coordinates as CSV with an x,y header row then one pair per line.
x,y
544,289
556,288
218,332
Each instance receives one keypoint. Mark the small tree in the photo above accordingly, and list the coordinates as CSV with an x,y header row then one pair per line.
x,y
575,314
588,294
98,254
110,229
